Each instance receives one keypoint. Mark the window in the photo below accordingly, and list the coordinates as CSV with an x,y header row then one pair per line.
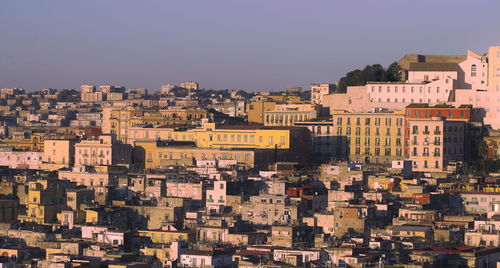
x,y
415,130
473,70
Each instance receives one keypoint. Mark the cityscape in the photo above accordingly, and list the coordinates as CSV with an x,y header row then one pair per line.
x,y
384,166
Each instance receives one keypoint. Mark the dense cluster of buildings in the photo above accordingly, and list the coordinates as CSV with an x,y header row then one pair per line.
x,y
380,175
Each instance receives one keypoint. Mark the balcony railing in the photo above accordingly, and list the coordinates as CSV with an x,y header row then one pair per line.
x,y
426,132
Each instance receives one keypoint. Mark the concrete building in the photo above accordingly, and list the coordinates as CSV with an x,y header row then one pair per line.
x,y
190,85
57,154
323,139
288,114
319,91
104,150
434,142
19,159
162,154
375,137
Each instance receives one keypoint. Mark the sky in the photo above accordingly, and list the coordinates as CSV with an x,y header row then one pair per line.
x,y
235,44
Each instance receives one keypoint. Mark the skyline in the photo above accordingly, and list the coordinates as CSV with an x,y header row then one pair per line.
x,y
218,44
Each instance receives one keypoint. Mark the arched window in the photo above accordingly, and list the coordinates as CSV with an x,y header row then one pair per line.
x,y
473,70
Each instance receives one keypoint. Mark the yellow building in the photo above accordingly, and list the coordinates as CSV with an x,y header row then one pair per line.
x,y
158,154
256,110
91,216
166,236
263,103
34,143
375,137
118,121
44,201
57,154
274,143
288,114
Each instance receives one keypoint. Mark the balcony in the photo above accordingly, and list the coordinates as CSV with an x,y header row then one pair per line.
x,y
437,132
426,132
414,143
414,132
437,143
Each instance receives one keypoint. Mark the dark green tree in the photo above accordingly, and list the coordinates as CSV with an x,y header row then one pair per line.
x,y
371,73
394,72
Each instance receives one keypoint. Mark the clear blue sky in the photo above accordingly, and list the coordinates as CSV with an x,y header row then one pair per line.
x,y
250,45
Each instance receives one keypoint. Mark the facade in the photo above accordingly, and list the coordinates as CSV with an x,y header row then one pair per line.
x,y
493,146
104,150
323,139
57,154
434,142
271,209
272,144
375,137
397,95
190,85
424,111
288,114
119,121
319,91
161,154
19,159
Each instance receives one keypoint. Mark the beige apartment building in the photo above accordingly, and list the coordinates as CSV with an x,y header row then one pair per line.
x,y
318,91
375,137
57,154
270,209
161,154
190,85
104,150
435,141
288,114
119,121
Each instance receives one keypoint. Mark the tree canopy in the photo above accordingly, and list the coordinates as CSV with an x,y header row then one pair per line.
x,y
371,73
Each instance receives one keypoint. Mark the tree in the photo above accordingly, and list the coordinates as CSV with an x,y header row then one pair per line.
x,y
371,73
394,72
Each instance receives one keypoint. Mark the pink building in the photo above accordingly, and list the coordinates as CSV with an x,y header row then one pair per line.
x,y
20,159
397,95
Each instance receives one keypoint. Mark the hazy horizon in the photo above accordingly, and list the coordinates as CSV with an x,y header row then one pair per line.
x,y
222,44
